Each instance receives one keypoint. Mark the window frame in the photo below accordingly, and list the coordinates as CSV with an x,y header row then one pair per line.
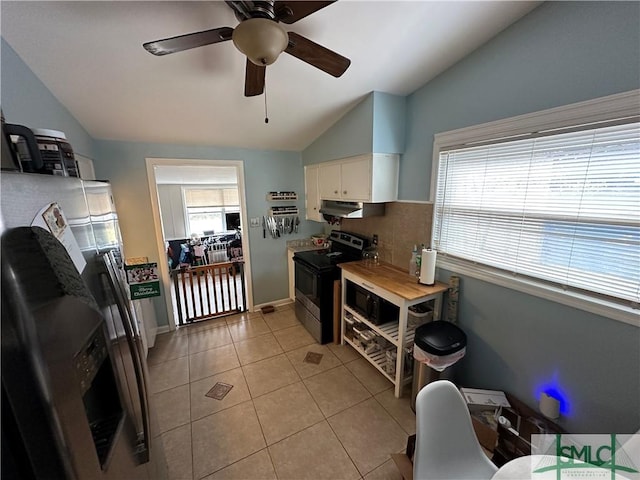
x,y
603,109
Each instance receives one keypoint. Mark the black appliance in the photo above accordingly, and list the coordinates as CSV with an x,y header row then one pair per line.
x,y
315,273
10,159
372,307
232,220
37,151
75,403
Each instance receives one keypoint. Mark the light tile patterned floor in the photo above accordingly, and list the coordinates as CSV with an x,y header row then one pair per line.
x,y
284,418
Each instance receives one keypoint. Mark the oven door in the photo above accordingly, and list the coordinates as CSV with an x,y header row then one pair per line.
x,y
307,283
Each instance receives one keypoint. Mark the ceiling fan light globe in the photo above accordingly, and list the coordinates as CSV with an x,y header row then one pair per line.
x,y
261,40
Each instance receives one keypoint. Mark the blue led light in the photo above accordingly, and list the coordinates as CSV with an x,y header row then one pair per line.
x,y
553,389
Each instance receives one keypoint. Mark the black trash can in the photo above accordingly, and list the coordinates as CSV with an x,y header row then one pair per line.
x,y
437,345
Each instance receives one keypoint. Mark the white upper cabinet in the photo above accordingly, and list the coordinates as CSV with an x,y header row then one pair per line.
x,y
312,195
356,180
364,178
329,175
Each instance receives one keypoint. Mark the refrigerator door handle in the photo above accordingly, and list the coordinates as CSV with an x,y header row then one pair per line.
x,y
134,342
142,449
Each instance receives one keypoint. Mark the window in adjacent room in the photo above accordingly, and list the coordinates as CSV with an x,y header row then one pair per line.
x,y
211,209
559,208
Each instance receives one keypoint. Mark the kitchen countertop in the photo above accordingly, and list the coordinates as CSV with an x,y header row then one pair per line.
x,y
393,279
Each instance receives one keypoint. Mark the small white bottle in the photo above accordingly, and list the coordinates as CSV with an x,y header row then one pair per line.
x,y
413,263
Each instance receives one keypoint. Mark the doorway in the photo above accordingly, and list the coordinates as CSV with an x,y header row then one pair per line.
x,y
179,189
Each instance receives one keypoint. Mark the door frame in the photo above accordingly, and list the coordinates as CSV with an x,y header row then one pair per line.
x,y
151,163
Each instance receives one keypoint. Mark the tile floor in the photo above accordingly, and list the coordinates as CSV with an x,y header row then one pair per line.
x,y
284,418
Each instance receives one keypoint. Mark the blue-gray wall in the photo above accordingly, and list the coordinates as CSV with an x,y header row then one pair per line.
x,y
25,100
349,136
389,123
375,125
123,163
523,344
562,52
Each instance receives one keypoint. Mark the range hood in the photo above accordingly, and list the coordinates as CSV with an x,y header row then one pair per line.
x,y
351,209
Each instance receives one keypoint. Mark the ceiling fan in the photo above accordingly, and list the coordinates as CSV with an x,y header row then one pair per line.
x,y
261,38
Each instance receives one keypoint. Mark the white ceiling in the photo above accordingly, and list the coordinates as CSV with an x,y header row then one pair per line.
x,y
90,55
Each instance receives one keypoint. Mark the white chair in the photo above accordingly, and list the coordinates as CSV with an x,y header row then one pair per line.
x,y
446,444
632,447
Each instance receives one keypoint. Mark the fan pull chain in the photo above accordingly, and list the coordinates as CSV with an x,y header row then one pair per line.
x,y
266,117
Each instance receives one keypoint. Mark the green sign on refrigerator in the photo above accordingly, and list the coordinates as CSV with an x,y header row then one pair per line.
x,y
143,280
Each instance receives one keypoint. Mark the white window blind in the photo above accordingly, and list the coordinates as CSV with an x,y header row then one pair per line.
x,y
206,208
560,207
211,197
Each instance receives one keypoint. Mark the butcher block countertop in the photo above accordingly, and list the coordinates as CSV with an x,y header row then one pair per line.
x,y
392,279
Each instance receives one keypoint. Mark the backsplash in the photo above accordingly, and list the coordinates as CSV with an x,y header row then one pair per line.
x,y
403,226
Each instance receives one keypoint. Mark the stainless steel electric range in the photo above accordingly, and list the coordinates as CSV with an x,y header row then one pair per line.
x,y
315,272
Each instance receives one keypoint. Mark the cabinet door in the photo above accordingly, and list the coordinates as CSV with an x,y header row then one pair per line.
x,y
312,196
329,181
356,180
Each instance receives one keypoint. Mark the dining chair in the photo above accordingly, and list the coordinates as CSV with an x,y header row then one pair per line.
x,y
446,444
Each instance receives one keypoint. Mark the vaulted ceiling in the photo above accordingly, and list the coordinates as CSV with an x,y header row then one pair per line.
x,y
90,56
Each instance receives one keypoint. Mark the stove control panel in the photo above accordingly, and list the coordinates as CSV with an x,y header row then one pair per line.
x,y
349,239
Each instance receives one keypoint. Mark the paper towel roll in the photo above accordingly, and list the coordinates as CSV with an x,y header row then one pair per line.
x,y
428,267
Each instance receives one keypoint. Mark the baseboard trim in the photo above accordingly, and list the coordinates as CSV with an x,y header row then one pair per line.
x,y
275,303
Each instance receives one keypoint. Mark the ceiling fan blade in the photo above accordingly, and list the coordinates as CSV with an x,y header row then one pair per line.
x,y
254,79
188,41
317,55
291,11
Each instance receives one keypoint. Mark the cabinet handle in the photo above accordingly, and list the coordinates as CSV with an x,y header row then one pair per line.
x,y
344,193
335,191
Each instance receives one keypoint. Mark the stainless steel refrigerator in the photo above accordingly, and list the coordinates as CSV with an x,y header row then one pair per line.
x,y
75,399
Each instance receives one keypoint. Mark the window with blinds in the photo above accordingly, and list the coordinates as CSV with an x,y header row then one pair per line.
x,y
211,197
208,209
561,207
